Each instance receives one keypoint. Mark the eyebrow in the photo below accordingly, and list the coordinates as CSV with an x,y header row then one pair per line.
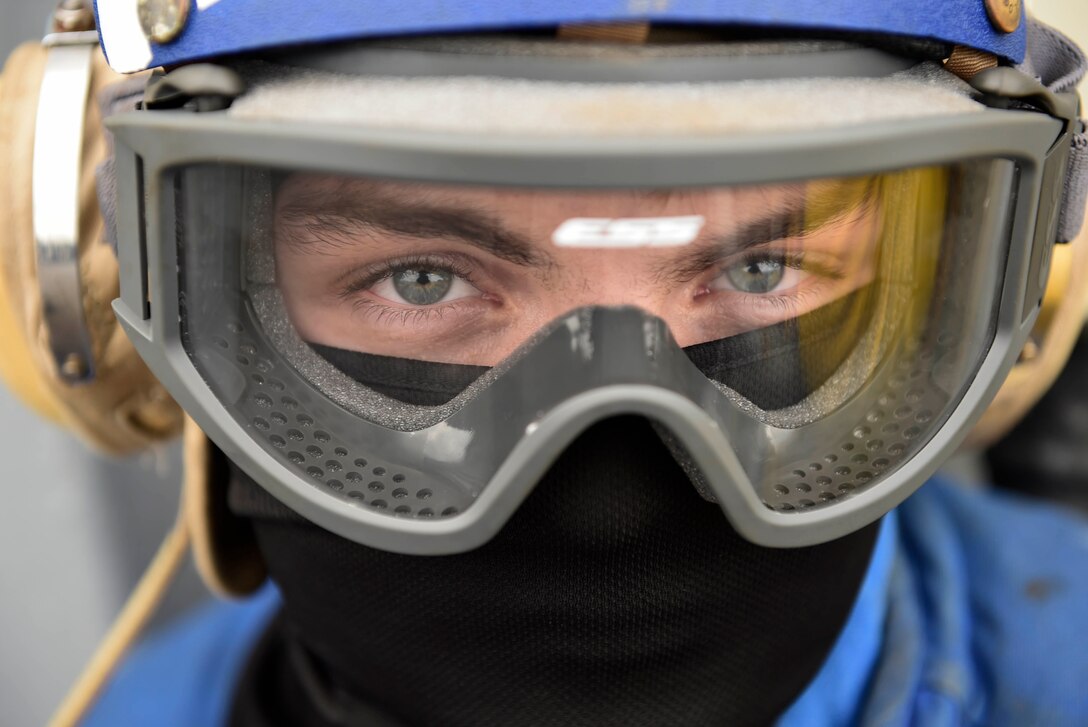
x,y
337,221
788,220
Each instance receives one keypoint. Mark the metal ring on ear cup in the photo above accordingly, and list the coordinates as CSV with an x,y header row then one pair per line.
x,y
58,146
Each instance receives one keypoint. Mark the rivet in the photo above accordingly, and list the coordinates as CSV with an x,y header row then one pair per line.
x,y
74,367
1030,352
162,20
1004,14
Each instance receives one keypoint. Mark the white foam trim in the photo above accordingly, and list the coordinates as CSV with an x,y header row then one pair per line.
x,y
603,232
510,106
205,4
127,49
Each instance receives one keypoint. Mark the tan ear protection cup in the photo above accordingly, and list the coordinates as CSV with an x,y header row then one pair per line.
x,y
223,544
124,408
1065,306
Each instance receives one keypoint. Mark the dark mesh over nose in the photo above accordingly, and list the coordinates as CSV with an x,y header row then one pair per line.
x,y
614,596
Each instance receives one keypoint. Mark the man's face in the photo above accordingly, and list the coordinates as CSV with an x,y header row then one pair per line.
x,y
464,275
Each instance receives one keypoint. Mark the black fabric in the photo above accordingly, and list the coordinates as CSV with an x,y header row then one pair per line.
x,y
1044,454
614,596
773,367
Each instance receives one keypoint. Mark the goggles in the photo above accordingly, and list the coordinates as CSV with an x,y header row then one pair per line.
x,y
397,331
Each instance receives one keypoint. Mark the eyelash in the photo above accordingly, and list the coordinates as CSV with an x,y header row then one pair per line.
x,y
372,275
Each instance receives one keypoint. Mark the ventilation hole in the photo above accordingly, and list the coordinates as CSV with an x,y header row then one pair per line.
x,y
360,462
340,452
781,489
235,327
806,503
886,400
403,510
923,417
278,441
248,349
911,432
880,463
798,473
400,493
314,451
296,457
896,449
278,418
785,507
289,403
898,380
304,420
842,471
815,466
264,365
426,512
803,487
335,485
261,424
875,416
221,342
890,428
831,458
242,360
354,478
379,471
903,411
861,432
823,481
424,494
321,436
379,504
859,459
257,379
276,385
263,400
915,375
875,444
333,466
399,478
864,477
376,486
316,472
825,496
355,495
848,447
449,511
844,488
295,435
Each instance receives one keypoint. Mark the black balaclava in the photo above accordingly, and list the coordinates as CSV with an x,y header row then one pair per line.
x,y
615,595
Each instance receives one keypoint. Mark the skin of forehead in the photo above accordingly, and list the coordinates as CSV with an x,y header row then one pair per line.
x,y
537,212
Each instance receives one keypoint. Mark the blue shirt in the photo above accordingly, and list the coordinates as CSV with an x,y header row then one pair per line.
x,y
970,614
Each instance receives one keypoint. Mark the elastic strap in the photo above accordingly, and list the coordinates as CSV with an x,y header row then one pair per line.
x,y
1060,65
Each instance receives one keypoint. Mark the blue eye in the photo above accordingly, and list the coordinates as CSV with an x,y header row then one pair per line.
x,y
756,276
421,286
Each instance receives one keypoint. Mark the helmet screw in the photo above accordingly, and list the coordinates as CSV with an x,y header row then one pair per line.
x,y
73,16
163,20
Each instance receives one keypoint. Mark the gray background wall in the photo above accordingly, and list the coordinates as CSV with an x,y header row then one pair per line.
x,y
76,530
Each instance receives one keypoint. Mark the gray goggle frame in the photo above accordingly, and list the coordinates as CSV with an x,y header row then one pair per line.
x,y
517,449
